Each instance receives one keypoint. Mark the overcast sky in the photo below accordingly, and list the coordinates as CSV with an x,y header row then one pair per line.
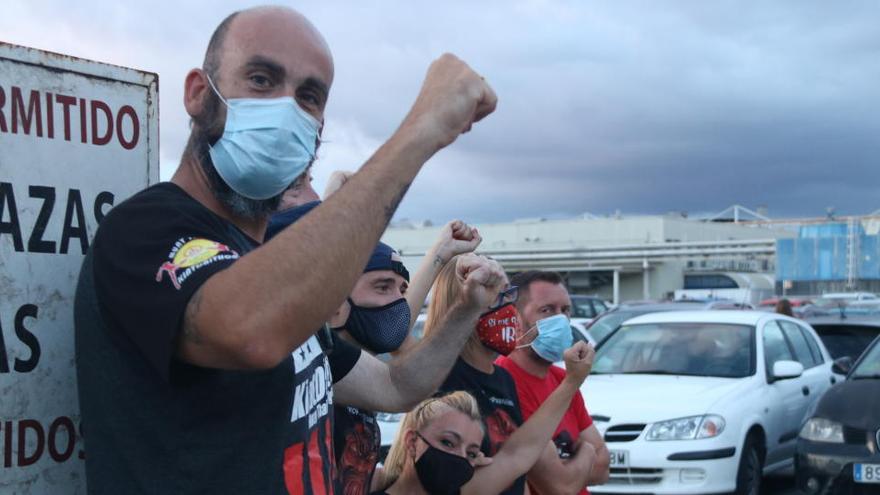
x,y
637,106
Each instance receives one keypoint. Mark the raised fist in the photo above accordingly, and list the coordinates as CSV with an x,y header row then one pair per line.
x,y
453,97
456,237
578,361
481,279
337,179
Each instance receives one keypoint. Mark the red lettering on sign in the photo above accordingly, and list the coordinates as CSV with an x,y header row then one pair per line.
x,y
23,427
27,107
66,102
82,120
33,111
2,117
59,440
67,423
136,126
50,117
108,123
7,444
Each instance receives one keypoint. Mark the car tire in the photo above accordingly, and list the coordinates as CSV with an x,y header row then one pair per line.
x,y
751,465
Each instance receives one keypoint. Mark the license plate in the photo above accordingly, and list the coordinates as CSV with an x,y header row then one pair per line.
x,y
866,473
620,458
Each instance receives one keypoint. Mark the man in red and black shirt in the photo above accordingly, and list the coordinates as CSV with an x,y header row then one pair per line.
x,y
201,363
581,457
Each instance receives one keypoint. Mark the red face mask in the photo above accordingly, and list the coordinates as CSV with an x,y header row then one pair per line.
x,y
497,329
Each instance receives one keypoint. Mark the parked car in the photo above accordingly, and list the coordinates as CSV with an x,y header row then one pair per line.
x,y
848,303
704,401
585,308
850,296
796,302
847,334
728,304
608,322
389,424
802,307
838,449
579,332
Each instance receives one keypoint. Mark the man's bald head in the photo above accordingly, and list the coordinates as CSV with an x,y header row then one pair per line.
x,y
264,52
213,54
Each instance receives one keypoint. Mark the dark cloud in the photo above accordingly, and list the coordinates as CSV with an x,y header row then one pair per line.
x,y
639,106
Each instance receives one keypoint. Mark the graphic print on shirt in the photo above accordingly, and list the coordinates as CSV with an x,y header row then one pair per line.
x,y
188,255
309,464
499,426
359,456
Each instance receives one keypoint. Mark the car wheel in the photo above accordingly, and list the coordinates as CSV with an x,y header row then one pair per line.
x,y
751,464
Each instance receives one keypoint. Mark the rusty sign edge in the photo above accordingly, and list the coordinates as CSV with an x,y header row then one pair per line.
x,y
54,60
103,70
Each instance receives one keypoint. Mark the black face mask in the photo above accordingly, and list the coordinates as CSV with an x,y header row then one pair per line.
x,y
379,330
442,473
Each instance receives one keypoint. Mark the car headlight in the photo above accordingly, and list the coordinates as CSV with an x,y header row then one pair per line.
x,y
822,430
389,417
690,428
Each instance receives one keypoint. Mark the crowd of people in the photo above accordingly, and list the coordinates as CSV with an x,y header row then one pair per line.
x,y
228,321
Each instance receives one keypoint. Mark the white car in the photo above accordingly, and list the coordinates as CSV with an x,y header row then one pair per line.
x,y
851,296
579,332
704,401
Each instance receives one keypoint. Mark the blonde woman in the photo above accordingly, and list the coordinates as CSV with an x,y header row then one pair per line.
x,y
437,449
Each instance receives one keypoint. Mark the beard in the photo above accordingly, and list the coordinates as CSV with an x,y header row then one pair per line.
x,y
207,130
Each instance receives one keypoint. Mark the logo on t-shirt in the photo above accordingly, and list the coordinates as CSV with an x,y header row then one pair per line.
x,y
499,426
188,255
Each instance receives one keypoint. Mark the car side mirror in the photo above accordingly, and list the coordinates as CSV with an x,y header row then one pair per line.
x,y
784,370
842,365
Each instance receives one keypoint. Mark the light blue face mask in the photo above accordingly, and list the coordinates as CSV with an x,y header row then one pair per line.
x,y
266,144
554,337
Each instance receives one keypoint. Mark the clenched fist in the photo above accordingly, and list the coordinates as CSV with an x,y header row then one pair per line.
x,y
578,362
337,179
456,237
481,279
453,97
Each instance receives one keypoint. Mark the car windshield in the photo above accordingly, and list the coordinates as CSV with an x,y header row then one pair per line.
x,y
846,340
869,366
698,349
604,325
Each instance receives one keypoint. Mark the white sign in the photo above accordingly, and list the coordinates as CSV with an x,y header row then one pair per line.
x,y
76,138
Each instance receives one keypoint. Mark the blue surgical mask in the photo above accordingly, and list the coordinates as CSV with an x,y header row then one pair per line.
x,y
554,337
266,144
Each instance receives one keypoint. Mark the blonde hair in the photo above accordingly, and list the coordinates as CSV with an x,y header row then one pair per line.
x,y
421,416
446,290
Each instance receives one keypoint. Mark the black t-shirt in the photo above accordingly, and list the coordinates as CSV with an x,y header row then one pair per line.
x,y
156,425
499,405
357,440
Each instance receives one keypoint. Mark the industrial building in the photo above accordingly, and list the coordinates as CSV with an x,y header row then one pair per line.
x,y
830,257
622,258
737,254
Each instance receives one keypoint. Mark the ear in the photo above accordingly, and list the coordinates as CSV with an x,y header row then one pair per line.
x,y
409,441
194,87
340,316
